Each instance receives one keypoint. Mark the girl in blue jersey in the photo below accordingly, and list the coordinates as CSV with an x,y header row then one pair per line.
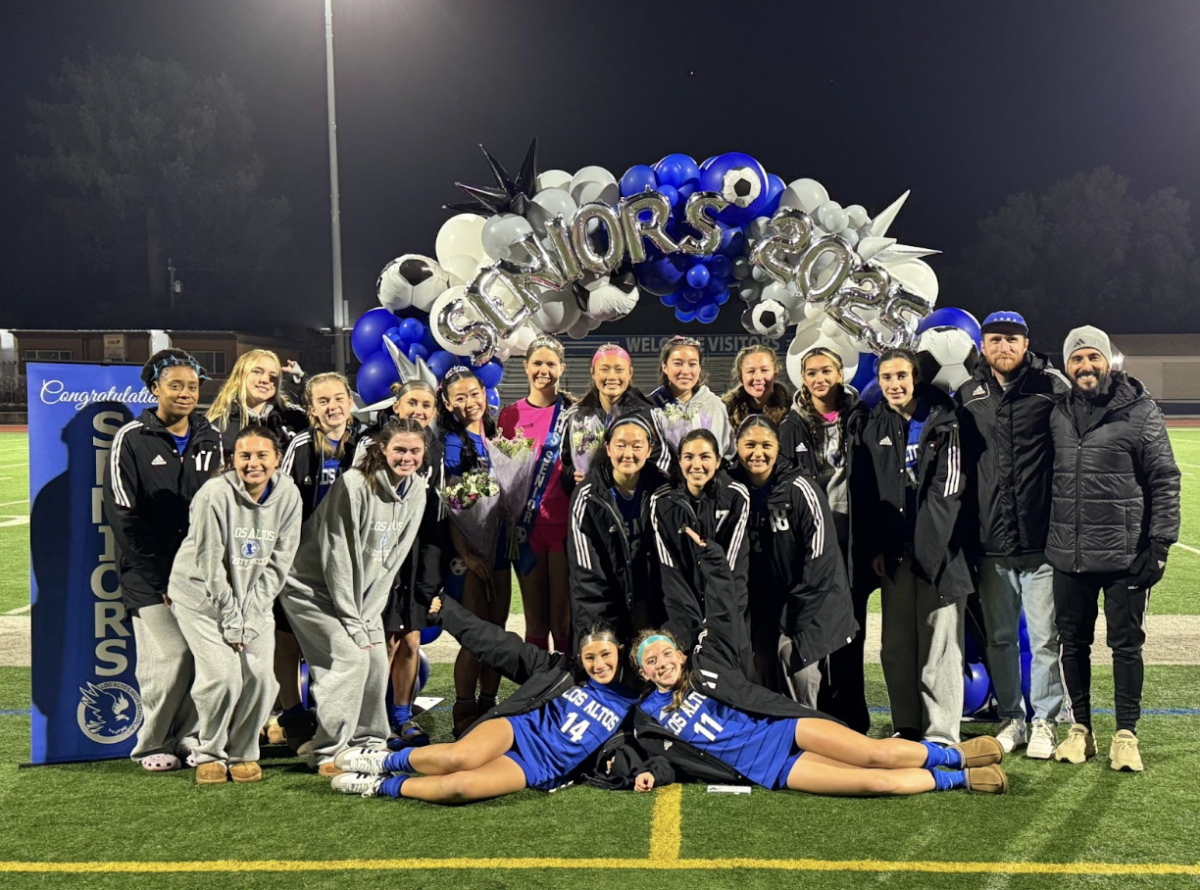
x,y
540,737
710,722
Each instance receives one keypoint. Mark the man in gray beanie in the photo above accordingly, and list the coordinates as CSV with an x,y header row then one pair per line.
x,y
1114,515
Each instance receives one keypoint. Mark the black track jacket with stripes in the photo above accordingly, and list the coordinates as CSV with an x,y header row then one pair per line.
x,y
720,514
798,584
148,490
945,533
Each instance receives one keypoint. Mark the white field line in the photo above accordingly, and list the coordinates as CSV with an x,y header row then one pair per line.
x,y
21,610
1187,547
14,503
13,521
13,466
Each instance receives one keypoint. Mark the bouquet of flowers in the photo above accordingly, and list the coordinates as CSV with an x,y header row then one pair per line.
x,y
513,464
586,438
675,421
473,498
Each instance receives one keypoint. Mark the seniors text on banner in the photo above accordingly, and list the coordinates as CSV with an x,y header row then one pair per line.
x,y
85,698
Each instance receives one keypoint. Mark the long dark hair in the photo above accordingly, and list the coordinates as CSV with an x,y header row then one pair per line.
x,y
246,432
739,405
452,426
691,436
376,456
808,411
681,342
906,355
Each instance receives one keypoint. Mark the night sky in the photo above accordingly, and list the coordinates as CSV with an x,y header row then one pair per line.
x,y
962,103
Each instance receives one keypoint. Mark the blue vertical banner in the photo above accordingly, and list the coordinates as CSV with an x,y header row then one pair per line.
x,y
85,697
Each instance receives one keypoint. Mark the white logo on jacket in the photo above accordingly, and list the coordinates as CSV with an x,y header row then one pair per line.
x,y
886,440
158,461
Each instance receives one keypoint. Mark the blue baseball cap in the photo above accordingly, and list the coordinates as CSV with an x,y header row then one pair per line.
x,y
1005,319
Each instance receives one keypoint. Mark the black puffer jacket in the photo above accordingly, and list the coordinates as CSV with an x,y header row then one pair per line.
x,y
284,422
148,491
942,532
608,571
1007,435
1116,485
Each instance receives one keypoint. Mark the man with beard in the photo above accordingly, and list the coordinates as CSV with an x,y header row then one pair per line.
x,y
1114,516
1006,431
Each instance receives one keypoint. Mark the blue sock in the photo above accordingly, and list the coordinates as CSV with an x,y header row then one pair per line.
x,y
948,779
390,787
401,714
397,761
941,755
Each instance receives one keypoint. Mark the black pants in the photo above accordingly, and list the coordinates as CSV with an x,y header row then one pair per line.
x,y
843,685
1075,606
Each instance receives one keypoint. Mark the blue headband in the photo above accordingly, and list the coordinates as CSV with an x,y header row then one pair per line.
x,y
656,638
172,361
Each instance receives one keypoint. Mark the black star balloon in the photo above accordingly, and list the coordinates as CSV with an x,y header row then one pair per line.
x,y
510,195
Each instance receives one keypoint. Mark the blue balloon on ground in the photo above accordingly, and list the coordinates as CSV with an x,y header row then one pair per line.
x,y
440,362
412,330
428,635
735,175
416,351
706,313
490,374
698,276
423,666
493,400
977,688
775,187
871,395
865,375
678,170
367,337
955,318
670,193
1026,665
375,378
637,179
305,687
685,315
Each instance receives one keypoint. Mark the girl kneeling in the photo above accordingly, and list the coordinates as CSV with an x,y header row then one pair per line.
x,y
245,528
691,721
539,737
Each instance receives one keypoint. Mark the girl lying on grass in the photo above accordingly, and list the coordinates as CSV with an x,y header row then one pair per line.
x,y
539,737
704,718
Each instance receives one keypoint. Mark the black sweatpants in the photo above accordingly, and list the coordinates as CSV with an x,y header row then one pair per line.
x,y
1076,599
843,684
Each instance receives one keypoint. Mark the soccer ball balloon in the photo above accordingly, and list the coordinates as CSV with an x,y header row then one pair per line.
x,y
411,281
769,318
948,357
741,186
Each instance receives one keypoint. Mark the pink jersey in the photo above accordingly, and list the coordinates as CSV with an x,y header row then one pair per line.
x,y
535,424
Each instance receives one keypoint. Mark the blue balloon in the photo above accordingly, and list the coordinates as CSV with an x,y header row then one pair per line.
x,y
677,171
733,242
670,193
1026,664
416,351
723,297
686,190
440,362
949,316
428,341
376,376
871,395
715,286
977,688
637,179
412,330
428,635
493,400
669,299
690,296
490,374
367,337
720,266
865,375
775,187
393,334
662,275
685,315
698,276
736,174
707,313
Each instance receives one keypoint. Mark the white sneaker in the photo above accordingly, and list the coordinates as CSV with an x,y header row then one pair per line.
x,y
357,783
361,759
1042,740
1011,735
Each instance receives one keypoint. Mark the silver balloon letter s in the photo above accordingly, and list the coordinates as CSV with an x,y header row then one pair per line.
x,y
709,233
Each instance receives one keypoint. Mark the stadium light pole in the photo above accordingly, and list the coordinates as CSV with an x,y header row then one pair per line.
x,y
335,215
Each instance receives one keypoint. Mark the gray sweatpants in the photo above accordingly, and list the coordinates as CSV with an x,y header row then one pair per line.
x,y
233,691
164,672
349,683
802,682
922,656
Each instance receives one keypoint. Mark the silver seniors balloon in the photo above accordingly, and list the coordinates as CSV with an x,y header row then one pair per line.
x,y
842,305
453,326
788,234
806,269
589,258
902,313
636,228
695,211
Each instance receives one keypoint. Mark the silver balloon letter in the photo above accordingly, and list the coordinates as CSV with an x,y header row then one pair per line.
x,y
806,273
636,229
708,230
600,264
788,234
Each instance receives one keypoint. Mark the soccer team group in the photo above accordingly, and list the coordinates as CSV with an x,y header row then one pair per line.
x,y
695,569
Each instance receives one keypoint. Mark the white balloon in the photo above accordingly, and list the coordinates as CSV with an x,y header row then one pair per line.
x,y
811,336
580,329
559,311
592,323
547,204
595,184
608,302
500,232
461,235
554,179
784,294
461,269
411,280
454,293
857,216
830,214
804,194
522,337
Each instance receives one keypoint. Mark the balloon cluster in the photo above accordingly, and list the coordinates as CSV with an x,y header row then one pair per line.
x,y
563,253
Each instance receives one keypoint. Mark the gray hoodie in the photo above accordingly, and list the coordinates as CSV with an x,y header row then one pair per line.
x,y
352,548
706,402
237,553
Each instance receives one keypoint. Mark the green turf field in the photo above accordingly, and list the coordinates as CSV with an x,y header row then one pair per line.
x,y
113,826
